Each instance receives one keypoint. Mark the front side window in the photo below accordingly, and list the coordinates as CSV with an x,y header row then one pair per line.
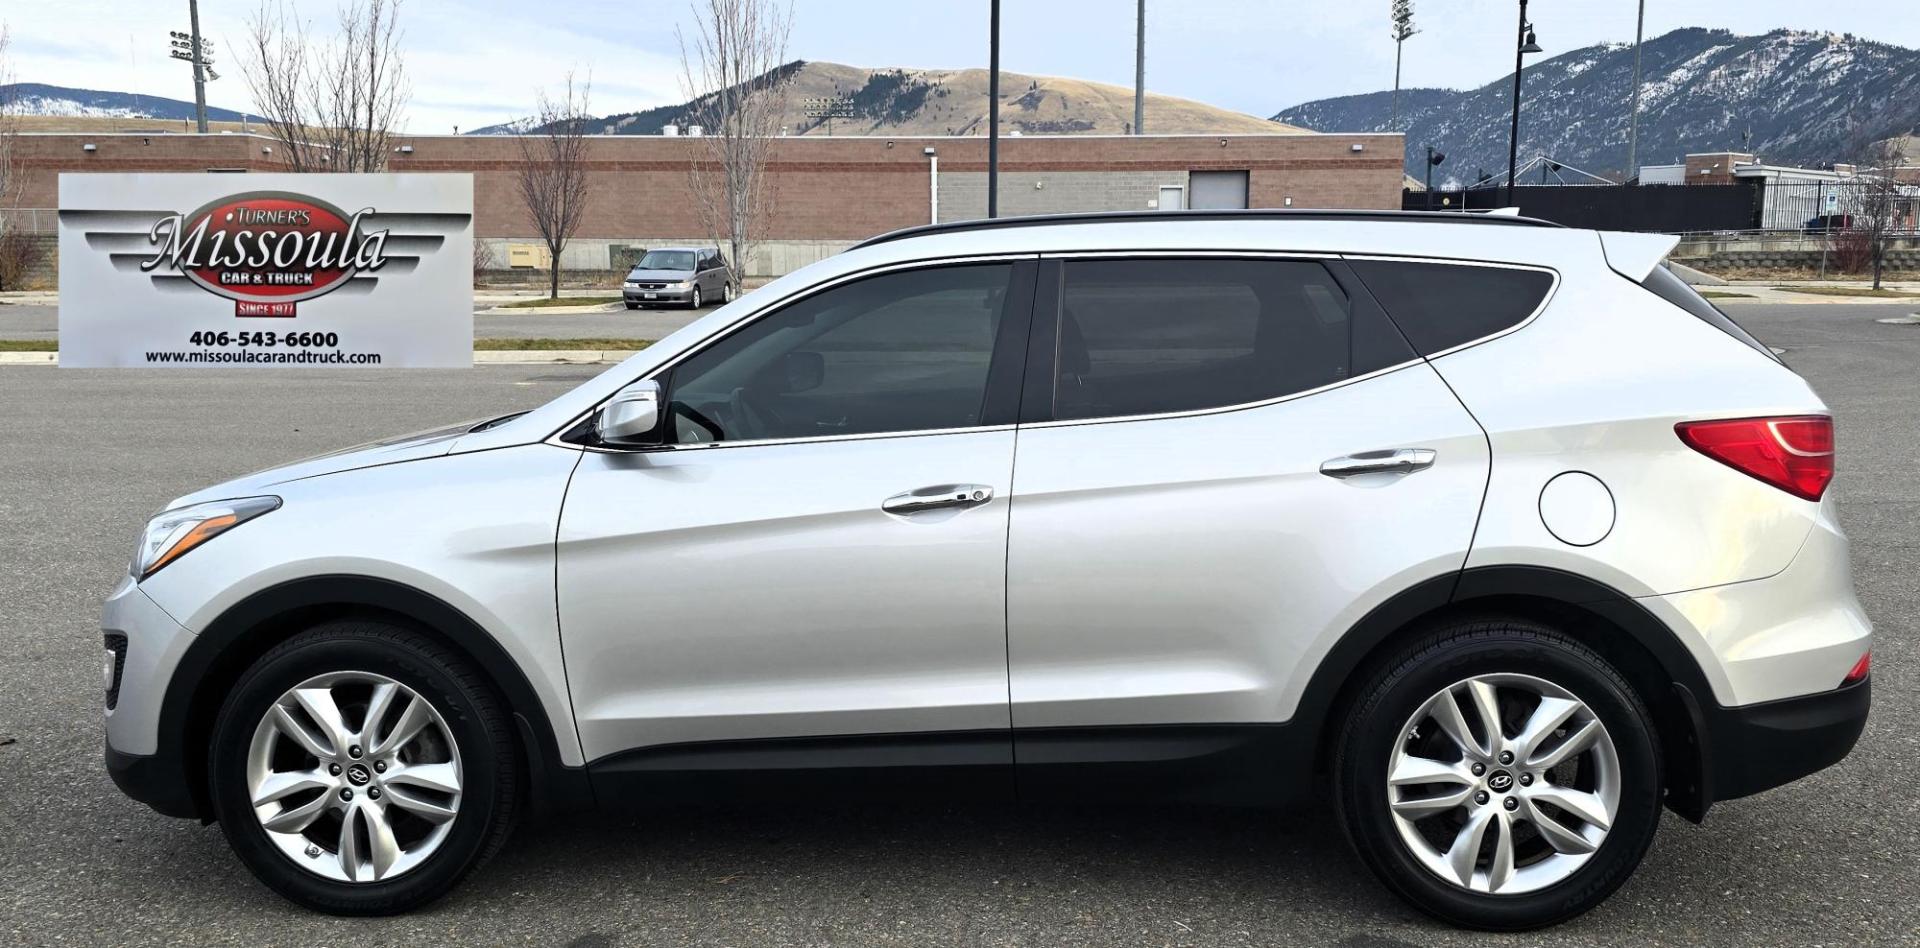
x,y
907,351
1140,337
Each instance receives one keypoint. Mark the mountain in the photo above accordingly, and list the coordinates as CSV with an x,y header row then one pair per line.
x,y
1806,98
954,102
33,98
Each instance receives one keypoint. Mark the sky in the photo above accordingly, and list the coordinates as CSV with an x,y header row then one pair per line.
x,y
478,62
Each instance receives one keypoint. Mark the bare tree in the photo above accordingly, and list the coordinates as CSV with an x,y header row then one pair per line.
x,y
9,176
1877,203
553,170
332,106
13,249
732,74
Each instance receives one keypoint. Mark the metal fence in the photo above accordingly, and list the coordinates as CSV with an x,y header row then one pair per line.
x,y
1652,209
1822,206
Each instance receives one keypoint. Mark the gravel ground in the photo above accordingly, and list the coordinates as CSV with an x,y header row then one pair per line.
x,y
1834,859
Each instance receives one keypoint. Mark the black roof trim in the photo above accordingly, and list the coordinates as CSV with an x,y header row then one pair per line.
x,y
1266,214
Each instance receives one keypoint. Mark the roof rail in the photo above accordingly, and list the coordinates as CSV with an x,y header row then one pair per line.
x,y
1508,219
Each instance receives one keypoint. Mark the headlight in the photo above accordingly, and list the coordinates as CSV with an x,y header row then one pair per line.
x,y
683,284
172,533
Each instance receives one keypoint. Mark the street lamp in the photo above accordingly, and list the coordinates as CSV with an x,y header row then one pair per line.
x,y
1433,158
1524,42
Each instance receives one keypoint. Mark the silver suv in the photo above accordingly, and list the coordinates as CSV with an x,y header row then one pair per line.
x,y
1490,533
690,276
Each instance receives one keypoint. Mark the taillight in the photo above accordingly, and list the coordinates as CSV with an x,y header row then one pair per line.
x,y
1861,669
1793,453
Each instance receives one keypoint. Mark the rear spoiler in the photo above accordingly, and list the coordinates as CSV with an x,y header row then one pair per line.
x,y
1635,255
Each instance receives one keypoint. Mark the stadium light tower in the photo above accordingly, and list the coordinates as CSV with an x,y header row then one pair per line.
x,y
1402,28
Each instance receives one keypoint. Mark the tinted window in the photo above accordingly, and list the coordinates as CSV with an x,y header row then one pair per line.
x,y
1675,290
898,352
1441,305
1142,337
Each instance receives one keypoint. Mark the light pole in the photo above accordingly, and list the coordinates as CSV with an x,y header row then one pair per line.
x,y
1433,158
1402,28
1633,108
199,77
993,110
1524,42
1140,67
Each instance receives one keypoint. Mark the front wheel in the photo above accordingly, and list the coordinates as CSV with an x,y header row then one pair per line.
x,y
695,303
1499,775
361,768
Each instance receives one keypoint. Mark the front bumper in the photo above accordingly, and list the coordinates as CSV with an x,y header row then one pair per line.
x,y
1758,747
142,764
157,780
633,295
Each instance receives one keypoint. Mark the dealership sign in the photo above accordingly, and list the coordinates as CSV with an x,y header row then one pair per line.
x,y
272,269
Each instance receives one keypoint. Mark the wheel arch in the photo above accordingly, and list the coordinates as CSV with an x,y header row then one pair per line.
x,y
239,636
1645,650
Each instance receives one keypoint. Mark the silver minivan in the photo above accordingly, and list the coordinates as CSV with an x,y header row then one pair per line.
x,y
1493,534
686,276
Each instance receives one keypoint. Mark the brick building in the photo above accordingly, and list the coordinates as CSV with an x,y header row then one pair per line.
x,y
828,192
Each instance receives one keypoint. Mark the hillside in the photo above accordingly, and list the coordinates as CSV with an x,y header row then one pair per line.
x,y
954,102
58,102
1804,98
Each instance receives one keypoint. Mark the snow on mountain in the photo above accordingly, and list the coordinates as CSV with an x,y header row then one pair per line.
x,y
1789,96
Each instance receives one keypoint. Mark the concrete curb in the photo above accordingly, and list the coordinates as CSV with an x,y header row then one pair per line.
x,y
480,357
550,310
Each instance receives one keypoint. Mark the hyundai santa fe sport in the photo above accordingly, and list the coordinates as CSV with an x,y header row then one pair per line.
x,y
1490,533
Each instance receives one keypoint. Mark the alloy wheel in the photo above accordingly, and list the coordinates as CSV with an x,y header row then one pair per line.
x,y
355,777
1503,784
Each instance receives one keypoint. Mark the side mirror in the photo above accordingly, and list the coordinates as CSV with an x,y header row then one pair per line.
x,y
804,371
632,415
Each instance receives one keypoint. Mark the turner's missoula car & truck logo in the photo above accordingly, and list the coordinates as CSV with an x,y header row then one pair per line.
x,y
267,251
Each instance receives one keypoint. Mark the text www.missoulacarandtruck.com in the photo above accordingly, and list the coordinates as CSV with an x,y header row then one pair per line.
x,y
264,357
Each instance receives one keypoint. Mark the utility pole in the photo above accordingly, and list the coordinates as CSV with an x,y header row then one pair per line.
x,y
993,110
1140,67
199,67
1402,28
1633,109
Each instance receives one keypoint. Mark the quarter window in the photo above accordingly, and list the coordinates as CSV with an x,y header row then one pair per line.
x,y
907,351
1140,337
1442,305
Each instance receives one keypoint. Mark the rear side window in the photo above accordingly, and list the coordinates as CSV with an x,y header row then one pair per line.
x,y
1443,305
1674,290
1142,337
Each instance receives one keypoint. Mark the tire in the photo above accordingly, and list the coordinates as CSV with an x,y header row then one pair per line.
x,y
633,305
694,303
726,292
1394,726
351,663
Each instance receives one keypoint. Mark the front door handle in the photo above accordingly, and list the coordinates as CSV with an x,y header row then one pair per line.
x,y
937,497
1400,461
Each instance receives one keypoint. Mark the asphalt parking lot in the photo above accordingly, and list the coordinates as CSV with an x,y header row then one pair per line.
x,y
86,456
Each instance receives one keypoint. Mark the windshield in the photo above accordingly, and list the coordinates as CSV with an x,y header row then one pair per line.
x,y
666,260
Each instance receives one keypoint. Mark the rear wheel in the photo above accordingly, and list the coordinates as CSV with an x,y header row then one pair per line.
x,y
361,768
1499,774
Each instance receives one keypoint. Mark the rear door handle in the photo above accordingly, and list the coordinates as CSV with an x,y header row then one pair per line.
x,y
1399,461
938,497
